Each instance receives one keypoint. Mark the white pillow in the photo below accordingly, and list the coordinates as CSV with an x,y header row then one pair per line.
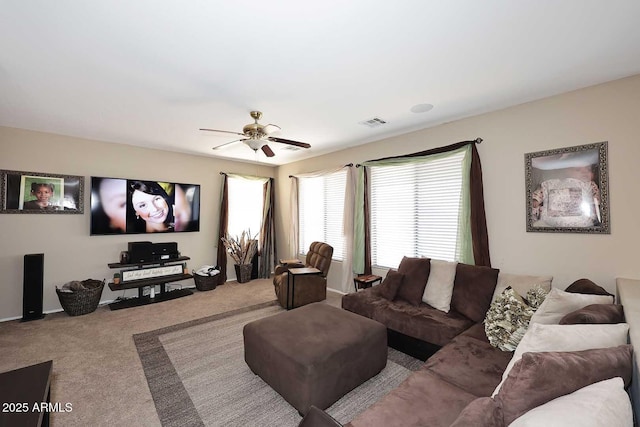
x,y
520,283
604,403
542,337
439,289
559,303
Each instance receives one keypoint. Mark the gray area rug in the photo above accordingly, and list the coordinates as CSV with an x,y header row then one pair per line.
x,y
198,377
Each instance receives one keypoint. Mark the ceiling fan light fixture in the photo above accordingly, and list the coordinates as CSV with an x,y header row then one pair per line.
x,y
256,136
255,144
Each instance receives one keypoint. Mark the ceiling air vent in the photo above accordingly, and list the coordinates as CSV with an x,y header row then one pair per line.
x,y
374,122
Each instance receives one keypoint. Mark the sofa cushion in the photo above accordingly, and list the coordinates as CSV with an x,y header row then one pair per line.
x,y
421,400
423,322
470,362
416,273
586,286
482,412
389,287
365,302
538,378
439,288
540,338
473,289
559,303
520,283
604,403
595,313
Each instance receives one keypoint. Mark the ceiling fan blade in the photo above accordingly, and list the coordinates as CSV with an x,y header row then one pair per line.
x,y
223,131
290,142
266,150
228,143
269,129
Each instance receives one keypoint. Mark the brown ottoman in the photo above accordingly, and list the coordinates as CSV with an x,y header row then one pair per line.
x,y
315,354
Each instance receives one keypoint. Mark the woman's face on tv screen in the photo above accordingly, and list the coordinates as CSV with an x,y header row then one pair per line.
x,y
150,207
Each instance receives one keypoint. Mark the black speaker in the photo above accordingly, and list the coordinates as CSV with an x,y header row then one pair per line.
x,y
33,282
140,252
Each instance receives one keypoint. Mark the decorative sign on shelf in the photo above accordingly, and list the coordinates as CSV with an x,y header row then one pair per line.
x,y
151,272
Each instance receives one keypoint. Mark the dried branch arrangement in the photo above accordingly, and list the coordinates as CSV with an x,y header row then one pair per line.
x,y
241,248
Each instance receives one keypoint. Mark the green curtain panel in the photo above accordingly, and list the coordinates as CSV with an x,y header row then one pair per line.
x,y
473,240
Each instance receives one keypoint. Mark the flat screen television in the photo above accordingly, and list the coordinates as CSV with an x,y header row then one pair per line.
x,y
130,206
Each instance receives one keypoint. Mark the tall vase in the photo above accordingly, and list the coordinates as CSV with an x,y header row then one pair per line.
x,y
243,272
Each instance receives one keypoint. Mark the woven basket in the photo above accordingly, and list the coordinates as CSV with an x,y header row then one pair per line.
x,y
206,283
84,301
243,272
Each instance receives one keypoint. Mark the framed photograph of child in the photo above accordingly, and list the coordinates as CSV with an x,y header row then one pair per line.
x,y
35,192
567,190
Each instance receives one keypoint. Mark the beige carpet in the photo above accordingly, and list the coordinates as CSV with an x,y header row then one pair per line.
x,y
195,383
95,364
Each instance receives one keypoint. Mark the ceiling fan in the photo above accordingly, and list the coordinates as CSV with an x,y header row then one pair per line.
x,y
256,136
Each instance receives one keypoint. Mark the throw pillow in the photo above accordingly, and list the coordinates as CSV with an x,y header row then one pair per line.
x,y
595,313
536,296
416,273
542,337
507,319
538,378
439,288
390,285
605,403
559,303
472,290
586,286
520,283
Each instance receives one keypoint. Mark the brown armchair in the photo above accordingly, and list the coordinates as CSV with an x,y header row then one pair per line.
x,y
309,288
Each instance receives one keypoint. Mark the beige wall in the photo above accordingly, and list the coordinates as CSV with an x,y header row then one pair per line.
x,y
69,252
607,112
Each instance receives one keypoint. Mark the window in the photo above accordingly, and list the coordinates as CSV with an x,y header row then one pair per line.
x,y
246,202
415,210
321,211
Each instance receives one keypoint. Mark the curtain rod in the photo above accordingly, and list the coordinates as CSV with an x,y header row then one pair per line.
x,y
347,165
475,141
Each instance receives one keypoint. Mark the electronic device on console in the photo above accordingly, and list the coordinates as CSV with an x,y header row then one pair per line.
x,y
140,252
148,251
165,251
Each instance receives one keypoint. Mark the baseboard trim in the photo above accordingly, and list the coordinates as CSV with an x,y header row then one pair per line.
x,y
101,303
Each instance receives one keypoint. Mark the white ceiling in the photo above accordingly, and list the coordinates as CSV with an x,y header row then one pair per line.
x,y
152,72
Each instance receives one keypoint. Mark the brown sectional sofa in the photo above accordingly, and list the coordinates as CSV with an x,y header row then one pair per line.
x,y
464,367
463,370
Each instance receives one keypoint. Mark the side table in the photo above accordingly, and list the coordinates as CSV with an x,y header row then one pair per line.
x,y
365,281
291,280
22,389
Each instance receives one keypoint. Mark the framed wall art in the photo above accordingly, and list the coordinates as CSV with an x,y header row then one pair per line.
x,y
36,192
567,190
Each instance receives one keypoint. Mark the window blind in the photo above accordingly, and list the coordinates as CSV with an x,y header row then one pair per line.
x,y
321,211
415,210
